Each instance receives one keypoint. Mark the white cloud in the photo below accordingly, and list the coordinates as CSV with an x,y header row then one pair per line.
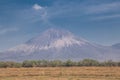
x,y
103,8
37,7
40,14
107,17
7,30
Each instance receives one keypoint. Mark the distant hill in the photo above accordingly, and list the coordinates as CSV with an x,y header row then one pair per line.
x,y
117,46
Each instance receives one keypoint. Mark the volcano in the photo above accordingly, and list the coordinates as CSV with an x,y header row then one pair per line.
x,y
59,44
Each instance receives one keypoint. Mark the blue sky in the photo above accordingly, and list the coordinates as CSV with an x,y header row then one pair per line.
x,y
97,21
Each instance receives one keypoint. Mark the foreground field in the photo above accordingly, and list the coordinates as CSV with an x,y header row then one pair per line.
x,y
61,73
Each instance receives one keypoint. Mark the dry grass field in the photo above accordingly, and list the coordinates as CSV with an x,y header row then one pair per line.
x,y
61,73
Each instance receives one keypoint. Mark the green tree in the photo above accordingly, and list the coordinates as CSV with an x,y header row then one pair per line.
x,y
69,63
89,62
27,63
56,63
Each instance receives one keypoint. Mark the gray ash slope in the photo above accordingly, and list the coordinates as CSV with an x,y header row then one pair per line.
x,y
61,45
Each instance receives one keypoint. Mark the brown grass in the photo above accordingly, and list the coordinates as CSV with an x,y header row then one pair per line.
x,y
61,73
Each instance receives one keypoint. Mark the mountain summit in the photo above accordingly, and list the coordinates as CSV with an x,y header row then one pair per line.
x,y
59,44
55,36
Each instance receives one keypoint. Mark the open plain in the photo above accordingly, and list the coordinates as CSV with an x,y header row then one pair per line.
x,y
61,73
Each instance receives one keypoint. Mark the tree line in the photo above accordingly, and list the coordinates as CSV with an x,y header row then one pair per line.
x,y
57,63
